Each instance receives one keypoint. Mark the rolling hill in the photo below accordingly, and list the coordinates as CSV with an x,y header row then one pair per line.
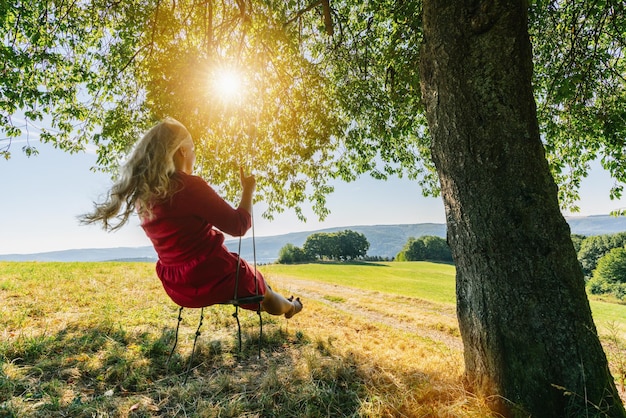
x,y
385,241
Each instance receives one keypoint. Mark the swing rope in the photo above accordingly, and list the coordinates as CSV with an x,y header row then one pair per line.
x,y
250,299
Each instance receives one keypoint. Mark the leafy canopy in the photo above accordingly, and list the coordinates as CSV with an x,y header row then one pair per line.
x,y
326,91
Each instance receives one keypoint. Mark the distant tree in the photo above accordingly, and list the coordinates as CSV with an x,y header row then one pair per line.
x,y
595,247
423,248
290,254
344,245
612,266
413,250
316,246
591,250
610,274
352,245
437,249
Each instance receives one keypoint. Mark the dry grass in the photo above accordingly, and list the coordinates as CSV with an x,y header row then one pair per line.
x,y
91,339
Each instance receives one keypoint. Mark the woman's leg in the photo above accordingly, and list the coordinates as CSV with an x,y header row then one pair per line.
x,y
276,304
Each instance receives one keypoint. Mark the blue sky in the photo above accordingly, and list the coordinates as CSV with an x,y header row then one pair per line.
x,y
43,195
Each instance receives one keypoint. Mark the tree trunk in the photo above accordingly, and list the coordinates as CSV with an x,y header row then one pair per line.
x,y
530,341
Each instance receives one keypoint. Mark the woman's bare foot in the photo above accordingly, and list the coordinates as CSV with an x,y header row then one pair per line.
x,y
297,307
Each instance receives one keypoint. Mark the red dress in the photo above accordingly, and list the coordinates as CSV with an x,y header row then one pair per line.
x,y
195,267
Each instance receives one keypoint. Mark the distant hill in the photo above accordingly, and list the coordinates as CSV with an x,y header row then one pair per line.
x,y
88,254
385,241
596,225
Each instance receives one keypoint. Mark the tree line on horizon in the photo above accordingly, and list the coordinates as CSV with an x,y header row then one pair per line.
x,y
349,245
344,245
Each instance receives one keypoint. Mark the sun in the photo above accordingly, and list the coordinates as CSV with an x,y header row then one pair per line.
x,y
227,83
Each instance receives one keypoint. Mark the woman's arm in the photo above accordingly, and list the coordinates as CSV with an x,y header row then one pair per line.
x,y
206,204
248,184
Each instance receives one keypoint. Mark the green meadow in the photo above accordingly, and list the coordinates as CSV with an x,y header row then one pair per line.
x,y
373,340
429,281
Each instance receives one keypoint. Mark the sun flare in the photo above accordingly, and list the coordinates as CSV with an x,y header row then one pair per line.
x,y
227,83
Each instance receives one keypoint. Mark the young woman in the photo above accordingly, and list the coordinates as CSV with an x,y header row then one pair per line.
x,y
183,216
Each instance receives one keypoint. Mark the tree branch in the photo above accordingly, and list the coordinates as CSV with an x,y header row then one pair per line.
x,y
328,20
303,11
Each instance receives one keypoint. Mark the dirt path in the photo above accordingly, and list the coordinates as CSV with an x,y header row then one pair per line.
x,y
434,321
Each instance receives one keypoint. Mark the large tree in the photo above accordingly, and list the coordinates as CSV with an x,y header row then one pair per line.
x,y
525,320
336,89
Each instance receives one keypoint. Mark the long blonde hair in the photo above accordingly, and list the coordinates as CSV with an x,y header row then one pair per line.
x,y
144,178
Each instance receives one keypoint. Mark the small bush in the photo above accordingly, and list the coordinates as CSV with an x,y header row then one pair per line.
x,y
290,254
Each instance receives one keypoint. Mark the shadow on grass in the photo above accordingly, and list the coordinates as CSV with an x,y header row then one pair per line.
x,y
104,369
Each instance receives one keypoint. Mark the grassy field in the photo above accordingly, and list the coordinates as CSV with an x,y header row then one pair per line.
x,y
92,339
430,281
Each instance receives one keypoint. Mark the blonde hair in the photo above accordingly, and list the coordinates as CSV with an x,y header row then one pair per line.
x,y
144,179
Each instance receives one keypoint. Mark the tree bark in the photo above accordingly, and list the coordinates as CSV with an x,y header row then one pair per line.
x,y
530,342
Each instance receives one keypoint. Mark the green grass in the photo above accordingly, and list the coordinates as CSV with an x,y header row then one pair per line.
x,y
609,317
431,281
